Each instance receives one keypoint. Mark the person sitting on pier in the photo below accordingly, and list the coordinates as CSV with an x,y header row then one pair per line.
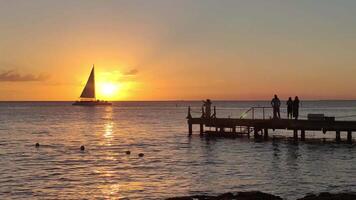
x,y
290,108
296,107
276,103
207,105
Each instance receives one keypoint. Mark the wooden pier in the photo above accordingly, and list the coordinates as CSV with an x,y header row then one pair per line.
x,y
231,127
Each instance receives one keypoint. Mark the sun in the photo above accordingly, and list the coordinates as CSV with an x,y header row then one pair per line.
x,y
108,90
110,87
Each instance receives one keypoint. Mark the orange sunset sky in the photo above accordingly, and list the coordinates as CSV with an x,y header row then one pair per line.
x,y
178,50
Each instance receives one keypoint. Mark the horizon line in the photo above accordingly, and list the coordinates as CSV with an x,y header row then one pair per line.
x,y
190,100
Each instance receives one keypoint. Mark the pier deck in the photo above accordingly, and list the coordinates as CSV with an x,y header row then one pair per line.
x,y
260,127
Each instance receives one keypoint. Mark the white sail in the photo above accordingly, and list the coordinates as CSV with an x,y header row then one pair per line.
x,y
89,89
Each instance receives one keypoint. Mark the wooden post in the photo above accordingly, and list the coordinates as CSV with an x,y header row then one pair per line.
x,y
190,127
349,137
201,129
253,113
338,137
302,135
266,133
255,133
263,110
295,134
189,116
234,129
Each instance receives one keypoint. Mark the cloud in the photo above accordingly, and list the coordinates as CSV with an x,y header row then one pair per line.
x,y
13,76
132,72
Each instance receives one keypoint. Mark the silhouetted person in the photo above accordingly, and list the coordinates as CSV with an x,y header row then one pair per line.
x,y
276,103
296,107
290,108
207,105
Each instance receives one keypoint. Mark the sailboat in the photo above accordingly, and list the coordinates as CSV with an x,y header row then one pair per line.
x,y
87,98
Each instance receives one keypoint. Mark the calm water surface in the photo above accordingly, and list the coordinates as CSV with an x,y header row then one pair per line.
x,y
174,164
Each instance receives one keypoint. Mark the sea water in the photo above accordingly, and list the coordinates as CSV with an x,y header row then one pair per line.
x,y
173,163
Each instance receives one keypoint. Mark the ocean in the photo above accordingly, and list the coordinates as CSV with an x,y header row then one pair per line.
x,y
173,163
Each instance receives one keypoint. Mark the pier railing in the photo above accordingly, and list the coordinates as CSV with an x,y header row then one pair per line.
x,y
252,111
255,112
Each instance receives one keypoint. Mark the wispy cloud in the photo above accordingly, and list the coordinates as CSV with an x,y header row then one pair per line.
x,y
13,76
131,72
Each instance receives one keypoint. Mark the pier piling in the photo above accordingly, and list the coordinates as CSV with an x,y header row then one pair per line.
x,y
201,129
338,137
302,135
190,127
255,133
234,129
266,133
295,134
349,137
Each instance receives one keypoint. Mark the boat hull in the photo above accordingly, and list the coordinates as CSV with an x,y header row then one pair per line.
x,y
92,103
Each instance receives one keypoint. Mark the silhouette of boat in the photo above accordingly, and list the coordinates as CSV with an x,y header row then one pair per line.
x,y
87,98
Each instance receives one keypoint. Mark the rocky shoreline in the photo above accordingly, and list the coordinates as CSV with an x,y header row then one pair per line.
x,y
257,195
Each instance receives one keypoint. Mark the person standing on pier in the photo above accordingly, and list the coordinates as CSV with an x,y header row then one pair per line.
x,y
207,105
290,108
296,107
276,104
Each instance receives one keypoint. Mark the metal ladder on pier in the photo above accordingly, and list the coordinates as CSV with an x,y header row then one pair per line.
x,y
252,110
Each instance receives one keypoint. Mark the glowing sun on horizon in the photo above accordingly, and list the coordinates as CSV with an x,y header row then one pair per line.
x,y
108,90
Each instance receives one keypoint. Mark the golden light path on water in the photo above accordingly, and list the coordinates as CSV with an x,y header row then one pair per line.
x,y
108,137
108,133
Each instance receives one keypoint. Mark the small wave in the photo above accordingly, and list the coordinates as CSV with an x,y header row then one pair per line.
x,y
107,118
40,133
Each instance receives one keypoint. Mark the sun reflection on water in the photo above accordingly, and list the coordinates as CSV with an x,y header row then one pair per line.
x,y
108,126
108,133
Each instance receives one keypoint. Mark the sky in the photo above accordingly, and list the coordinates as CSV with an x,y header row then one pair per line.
x,y
178,50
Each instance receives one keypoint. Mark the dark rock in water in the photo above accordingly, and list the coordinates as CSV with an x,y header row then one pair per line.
x,y
141,155
37,145
225,196
196,197
329,196
82,148
255,195
128,152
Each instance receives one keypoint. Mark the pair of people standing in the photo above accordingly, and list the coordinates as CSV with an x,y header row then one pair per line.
x,y
293,108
